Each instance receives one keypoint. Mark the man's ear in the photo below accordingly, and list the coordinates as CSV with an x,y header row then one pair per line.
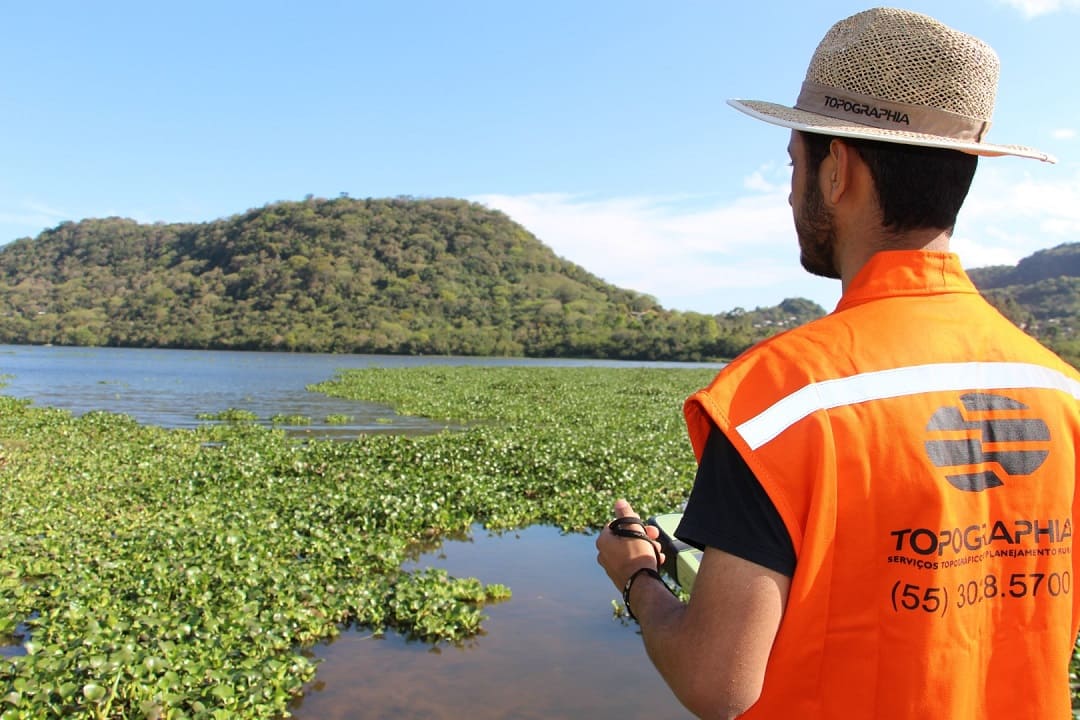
x,y
837,171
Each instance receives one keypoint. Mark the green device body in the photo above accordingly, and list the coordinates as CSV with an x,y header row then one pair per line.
x,y
680,560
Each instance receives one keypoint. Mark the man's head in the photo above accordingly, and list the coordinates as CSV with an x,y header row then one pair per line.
x,y
906,100
814,223
897,77
918,188
914,188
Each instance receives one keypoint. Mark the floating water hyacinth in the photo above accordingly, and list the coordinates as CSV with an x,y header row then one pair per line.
x,y
180,573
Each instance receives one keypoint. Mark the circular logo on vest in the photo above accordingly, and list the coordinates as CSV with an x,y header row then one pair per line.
x,y
987,438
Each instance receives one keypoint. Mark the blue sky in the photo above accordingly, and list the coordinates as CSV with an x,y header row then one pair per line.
x,y
600,125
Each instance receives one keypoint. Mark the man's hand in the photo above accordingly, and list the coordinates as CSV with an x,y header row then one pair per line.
x,y
621,556
713,651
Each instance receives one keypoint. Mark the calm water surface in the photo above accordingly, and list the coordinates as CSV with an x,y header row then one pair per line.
x,y
552,651
169,388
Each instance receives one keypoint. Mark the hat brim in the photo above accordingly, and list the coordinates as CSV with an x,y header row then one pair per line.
x,y
812,122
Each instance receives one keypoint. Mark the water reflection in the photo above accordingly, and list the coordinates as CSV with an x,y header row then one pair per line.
x,y
552,651
11,646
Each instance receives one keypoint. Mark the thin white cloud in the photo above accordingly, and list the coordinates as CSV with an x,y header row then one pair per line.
x,y
691,254
27,219
1064,134
43,209
711,255
1011,213
760,180
1034,8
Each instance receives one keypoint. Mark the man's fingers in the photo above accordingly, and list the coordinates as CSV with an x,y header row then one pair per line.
x,y
659,552
623,509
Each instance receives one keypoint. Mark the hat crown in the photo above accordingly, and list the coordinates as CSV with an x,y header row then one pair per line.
x,y
905,57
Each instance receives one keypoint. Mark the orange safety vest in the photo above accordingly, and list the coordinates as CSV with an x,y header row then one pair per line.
x,y
922,453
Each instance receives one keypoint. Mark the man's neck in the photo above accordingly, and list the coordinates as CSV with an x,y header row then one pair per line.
x,y
855,255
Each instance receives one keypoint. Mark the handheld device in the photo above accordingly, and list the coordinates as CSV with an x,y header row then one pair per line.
x,y
680,560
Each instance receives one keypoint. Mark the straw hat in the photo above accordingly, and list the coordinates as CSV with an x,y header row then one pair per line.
x,y
897,76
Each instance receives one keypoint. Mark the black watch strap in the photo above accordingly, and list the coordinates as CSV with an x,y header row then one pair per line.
x,y
630,583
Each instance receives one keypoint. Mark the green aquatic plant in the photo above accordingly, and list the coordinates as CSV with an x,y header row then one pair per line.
x,y
281,419
231,415
155,573
180,574
338,419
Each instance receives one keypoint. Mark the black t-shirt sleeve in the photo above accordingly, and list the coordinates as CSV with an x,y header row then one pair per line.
x,y
730,511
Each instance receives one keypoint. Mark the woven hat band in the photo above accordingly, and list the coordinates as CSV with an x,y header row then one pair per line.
x,y
888,115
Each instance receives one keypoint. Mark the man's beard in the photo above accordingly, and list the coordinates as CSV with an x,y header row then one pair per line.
x,y
817,234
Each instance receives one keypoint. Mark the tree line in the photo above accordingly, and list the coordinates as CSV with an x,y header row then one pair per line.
x,y
1041,294
401,276
397,276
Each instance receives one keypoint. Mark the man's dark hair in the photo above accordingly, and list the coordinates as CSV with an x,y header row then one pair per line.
x,y
917,187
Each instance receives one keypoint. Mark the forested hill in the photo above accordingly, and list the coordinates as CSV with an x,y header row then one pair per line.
x,y
438,276
1056,262
401,276
1040,294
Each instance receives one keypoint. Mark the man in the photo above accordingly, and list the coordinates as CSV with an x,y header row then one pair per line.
x,y
886,496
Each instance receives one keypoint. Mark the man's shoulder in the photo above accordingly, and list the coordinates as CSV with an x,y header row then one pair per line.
x,y
825,336
782,363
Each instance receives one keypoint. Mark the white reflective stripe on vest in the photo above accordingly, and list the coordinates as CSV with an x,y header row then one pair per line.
x,y
898,382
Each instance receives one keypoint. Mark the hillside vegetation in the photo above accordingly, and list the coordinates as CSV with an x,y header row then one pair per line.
x,y
401,276
1041,294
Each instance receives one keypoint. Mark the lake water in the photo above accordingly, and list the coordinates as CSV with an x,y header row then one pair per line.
x,y
169,388
552,651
